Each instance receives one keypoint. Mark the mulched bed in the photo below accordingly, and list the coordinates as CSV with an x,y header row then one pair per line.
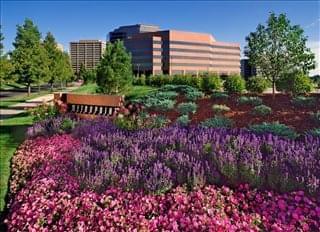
x,y
283,111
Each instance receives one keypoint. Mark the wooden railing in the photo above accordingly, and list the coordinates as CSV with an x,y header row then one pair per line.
x,y
99,105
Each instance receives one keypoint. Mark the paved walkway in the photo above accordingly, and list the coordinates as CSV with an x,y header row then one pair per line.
x,y
7,113
32,103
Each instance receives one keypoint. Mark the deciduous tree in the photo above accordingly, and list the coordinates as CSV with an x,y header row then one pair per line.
x,y
29,57
279,47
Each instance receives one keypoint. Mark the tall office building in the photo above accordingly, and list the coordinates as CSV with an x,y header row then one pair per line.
x,y
86,52
156,51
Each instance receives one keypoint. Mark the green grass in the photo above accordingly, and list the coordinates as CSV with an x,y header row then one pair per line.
x,y
6,102
88,89
133,92
12,134
138,91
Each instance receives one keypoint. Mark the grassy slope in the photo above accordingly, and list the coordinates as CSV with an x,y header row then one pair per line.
x,y
12,133
134,92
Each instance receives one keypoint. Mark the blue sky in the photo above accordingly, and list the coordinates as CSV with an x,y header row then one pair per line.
x,y
226,20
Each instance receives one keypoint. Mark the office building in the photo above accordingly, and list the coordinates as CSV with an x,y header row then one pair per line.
x,y
156,51
86,52
246,69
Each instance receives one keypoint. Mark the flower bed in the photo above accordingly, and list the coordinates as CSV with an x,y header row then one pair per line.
x,y
51,186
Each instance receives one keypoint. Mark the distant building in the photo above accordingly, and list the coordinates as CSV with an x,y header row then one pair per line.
x,y
86,52
246,69
60,47
156,51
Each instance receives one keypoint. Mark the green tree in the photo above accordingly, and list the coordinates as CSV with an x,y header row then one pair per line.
x,y
6,67
64,70
278,48
29,57
1,43
114,72
50,46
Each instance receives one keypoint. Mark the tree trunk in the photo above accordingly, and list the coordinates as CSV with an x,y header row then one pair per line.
x,y
273,89
61,85
29,89
51,87
39,88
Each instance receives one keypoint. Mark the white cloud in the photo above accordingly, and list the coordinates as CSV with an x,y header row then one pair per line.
x,y
315,48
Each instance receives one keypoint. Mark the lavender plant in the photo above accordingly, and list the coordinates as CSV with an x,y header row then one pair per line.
x,y
156,160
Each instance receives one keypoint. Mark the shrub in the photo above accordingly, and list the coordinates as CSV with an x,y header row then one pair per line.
x,y
194,95
302,101
217,122
177,88
50,126
234,84
43,112
67,124
256,84
211,83
254,101
220,108
140,80
316,117
195,82
219,95
160,100
183,120
166,95
262,110
141,121
274,128
188,107
163,105
294,83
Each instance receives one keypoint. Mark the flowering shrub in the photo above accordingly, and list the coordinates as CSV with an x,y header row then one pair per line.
x,y
44,111
51,126
46,195
126,159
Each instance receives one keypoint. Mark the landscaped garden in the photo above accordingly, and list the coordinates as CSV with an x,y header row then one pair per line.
x,y
177,159
184,153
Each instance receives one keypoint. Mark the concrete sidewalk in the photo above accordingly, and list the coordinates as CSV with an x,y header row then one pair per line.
x,y
28,104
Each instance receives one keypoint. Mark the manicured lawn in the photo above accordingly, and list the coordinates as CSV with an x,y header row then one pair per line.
x,y
12,133
138,91
88,89
134,92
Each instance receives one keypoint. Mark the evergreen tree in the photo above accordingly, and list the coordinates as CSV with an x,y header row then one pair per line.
x,y
29,57
114,72
279,48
